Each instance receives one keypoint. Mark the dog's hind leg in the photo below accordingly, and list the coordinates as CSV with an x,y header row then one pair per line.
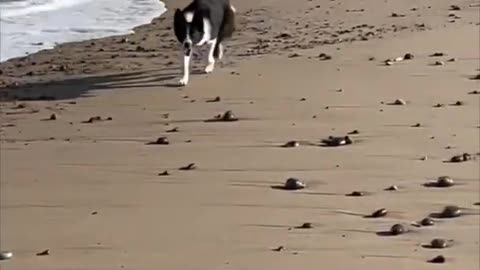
x,y
211,59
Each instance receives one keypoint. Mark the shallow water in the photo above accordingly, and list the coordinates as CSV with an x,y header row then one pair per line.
x,y
28,26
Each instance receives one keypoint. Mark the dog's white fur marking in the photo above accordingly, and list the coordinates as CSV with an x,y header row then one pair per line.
x,y
186,69
207,27
211,60
188,16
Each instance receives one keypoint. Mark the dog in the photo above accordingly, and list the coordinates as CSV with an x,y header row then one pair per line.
x,y
203,22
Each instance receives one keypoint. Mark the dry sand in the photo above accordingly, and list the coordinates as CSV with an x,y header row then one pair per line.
x,y
90,193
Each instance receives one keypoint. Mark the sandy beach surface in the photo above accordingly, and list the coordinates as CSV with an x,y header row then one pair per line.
x,y
92,194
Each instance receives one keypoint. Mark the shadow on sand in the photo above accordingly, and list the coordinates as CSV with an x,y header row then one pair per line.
x,y
70,88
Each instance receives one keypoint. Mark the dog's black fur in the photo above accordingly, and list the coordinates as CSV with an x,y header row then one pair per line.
x,y
204,21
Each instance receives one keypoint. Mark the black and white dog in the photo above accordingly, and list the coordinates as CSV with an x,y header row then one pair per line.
x,y
203,22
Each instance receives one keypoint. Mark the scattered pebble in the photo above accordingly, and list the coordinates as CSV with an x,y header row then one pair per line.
x,y
278,249
5,255
97,119
424,158
228,116
392,188
438,54
408,56
458,103
324,56
294,184
53,117
354,132
438,259
439,105
379,213
94,213
164,173
417,125
216,99
439,63
451,211
454,8
291,144
427,222
44,253
161,141
474,92
175,129
461,158
306,225
452,60
337,141
398,229
189,167
399,102
439,243
356,194
442,181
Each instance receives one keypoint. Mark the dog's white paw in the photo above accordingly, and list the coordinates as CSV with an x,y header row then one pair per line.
x,y
209,68
183,82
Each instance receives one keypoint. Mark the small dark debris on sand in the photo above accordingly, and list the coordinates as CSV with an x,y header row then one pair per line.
x,y
291,184
454,8
291,144
438,54
458,103
398,229
392,188
408,56
332,141
442,182
294,55
354,132
427,222
398,102
97,119
43,253
477,77
228,116
278,249
94,213
417,125
5,255
439,243
450,211
438,259
164,173
160,141
356,194
52,117
439,105
378,213
306,225
474,92
175,129
324,56
216,99
461,158
189,167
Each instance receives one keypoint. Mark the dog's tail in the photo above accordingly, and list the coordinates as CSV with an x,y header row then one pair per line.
x,y
228,25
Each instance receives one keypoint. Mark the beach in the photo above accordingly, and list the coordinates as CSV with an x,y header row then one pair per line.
x,y
94,193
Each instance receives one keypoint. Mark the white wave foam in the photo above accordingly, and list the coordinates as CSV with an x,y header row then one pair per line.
x,y
25,34
22,8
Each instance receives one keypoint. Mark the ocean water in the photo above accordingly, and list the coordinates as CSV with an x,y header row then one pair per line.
x,y
27,26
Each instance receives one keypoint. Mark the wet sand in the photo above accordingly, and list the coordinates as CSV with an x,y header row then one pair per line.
x,y
91,193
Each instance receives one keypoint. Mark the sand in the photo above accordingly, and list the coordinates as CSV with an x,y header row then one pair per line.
x,y
90,193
